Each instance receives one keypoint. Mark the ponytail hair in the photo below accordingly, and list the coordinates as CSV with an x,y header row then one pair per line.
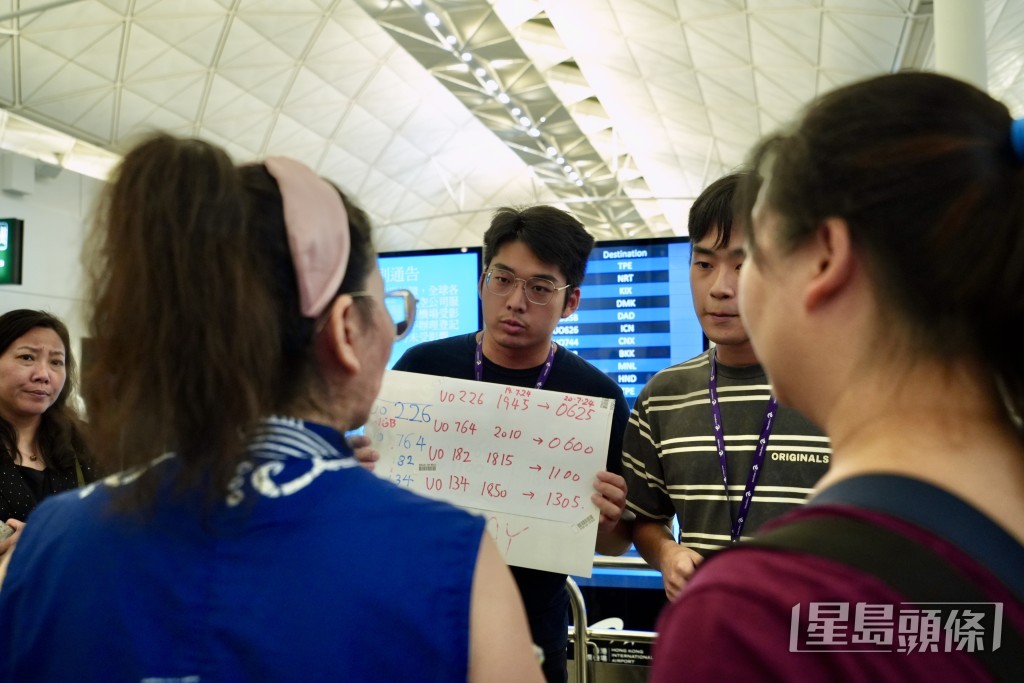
x,y
195,312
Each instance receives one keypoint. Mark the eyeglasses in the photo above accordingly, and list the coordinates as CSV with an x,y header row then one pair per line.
x,y
538,290
401,306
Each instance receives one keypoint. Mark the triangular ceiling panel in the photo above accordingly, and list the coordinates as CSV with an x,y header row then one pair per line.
x,y
785,88
146,9
346,169
177,94
645,18
226,100
679,95
348,81
786,39
660,62
394,101
196,36
887,6
290,31
119,6
140,115
710,51
601,17
443,129
546,49
339,45
246,47
291,137
230,144
44,77
855,41
149,58
364,134
409,208
401,160
265,84
247,131
94,115
378,190
95,48
690,11
722,87
320,112
68,18
772,122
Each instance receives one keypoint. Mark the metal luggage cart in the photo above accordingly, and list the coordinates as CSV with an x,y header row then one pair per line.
x,y
611,655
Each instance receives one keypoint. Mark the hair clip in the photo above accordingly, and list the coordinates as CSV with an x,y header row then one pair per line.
x,y
318,235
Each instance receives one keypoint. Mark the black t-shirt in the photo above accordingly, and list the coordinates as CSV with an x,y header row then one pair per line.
x,y
542,591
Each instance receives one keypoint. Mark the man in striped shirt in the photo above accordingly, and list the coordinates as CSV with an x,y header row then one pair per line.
x,y
706,442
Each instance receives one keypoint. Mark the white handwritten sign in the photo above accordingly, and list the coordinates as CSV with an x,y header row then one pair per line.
x,y
526,459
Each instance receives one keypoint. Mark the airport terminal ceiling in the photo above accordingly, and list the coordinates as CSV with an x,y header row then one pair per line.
x,y
434,112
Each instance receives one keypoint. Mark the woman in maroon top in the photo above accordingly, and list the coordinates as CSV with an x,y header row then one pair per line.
x,y
885,262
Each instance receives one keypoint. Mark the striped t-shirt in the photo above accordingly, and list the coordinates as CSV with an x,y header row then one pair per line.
x,y
671,463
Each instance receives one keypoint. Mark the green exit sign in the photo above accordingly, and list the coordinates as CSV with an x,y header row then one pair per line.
x,y
11,232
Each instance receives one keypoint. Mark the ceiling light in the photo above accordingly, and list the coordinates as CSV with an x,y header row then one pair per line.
x,y
516,111
480,72
551,151
504,98
534,133
525,120
451,40
466,56
432,19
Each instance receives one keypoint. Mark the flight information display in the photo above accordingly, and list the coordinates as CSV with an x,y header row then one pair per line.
x,y
636,312
444,284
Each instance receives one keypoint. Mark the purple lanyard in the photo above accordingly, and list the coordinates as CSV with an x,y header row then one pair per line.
x,y
478,366
762,447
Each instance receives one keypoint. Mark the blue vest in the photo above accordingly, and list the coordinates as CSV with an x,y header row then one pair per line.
x,y
312,569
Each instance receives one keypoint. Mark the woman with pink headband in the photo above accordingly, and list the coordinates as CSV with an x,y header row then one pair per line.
x,y
240,330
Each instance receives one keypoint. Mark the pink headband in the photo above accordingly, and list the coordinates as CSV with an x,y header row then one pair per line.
x,y
317,226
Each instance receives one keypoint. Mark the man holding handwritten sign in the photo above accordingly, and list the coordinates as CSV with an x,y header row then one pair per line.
x,y
534,262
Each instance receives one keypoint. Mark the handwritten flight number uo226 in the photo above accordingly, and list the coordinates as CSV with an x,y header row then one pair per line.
x,y
470,397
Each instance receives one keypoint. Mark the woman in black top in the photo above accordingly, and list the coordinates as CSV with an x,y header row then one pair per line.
x,y
41,446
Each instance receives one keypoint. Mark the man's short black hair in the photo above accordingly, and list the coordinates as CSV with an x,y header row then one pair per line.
x,y
553,235
713,209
